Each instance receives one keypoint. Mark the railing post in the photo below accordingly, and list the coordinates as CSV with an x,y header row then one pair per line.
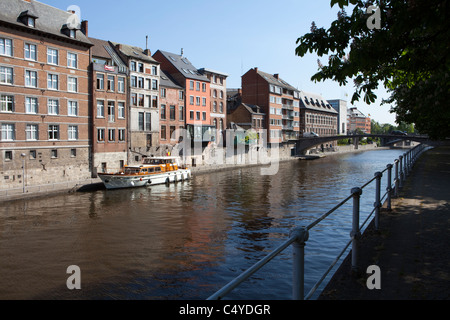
x,y
355,233
396,178
401,171
389,186
298,274
377,203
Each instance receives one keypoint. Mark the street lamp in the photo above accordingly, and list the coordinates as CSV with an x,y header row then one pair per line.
x,y
23,171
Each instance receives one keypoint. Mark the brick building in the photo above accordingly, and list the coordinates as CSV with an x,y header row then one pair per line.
x,y
247,117
277,99
143,88
172,114
44,95
197,93
109,108
317,115
357,120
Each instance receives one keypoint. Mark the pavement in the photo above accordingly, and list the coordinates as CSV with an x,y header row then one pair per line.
x,y
411,247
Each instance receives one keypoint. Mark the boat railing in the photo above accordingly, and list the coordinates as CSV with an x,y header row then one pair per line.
x,y
299,235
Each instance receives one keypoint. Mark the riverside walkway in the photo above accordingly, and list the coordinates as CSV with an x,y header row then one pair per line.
x,y
411,247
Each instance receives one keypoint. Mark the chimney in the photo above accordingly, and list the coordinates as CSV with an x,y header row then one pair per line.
x,y
256,69
181,51
276,75
119,46
84,27
147,52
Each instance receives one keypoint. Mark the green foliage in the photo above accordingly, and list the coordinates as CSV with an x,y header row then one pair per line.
x,y
409,55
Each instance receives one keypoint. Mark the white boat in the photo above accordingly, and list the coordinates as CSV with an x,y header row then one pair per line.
x,y
154,170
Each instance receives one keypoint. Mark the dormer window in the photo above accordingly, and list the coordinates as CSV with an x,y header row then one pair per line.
x,y
72,33
31,22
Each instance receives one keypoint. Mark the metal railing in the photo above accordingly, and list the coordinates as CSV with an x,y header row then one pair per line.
x,y
299,236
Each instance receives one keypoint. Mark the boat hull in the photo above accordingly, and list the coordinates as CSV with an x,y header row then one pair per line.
x,y
119,181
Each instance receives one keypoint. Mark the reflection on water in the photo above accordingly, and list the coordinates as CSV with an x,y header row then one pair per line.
x,y
184,241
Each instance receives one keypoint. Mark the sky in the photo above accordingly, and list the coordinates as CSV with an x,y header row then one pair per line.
x,y
229,36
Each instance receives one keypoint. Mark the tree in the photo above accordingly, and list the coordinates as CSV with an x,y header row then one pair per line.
x,y
409,55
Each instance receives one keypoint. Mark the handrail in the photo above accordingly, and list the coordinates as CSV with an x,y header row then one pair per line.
x,y
300,235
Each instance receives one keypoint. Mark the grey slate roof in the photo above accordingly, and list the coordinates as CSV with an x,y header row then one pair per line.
x,y
184,66
49,20
314,101
253,109
167,81
278,82
134,52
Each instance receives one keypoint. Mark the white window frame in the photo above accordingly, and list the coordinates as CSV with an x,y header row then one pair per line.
x,y
52,81
53,129
30,52
100,108
31,105
52,58
72,63
71,83
6,103
8,132
6,75
32,132
51,106
72,108
6,47
72,132
31,78
121,110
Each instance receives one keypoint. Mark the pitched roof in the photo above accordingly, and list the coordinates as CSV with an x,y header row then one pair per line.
x,y
134,52
167,81
316,102
184,66
272,79
254,109
49,20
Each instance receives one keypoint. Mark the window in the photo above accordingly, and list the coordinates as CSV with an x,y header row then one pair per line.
x,y
172,112
155,101
32,154
72,60
6,75
214,106
111,135
214,93
31,79
148,121
154,84
100,109
72,132
191,115
6,103
204,87
140,67
72,84
141,121
31,22
180,95
52,56
52,81
181,113
8,157
140,83
8,132
121,134
163,92
54,153
221,94
221,107
73,153
198,115
197,100
154,70
72,33
5,47
163,132
191,85
121,84
100,134
172,130
100,81
31,105
121,110
72,108
133,66
134,99
141,100
163,112
111,111
53,132
53,106
111,83
191,100
133,81
203,115
204,102
197,86
30,52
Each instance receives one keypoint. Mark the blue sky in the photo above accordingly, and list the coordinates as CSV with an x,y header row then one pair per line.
x,y
229,36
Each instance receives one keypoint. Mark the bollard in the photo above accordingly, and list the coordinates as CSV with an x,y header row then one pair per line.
x,y
355,233
401,171
377,203
298,274
389,186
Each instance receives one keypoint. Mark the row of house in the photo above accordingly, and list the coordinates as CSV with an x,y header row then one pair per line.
x,y
72,105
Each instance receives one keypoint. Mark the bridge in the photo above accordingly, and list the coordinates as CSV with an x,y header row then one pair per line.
x,y
304,144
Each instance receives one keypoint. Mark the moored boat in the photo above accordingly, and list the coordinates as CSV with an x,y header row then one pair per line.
x,y
152,171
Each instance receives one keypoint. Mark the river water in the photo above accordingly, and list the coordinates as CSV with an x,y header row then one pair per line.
x,y
187,240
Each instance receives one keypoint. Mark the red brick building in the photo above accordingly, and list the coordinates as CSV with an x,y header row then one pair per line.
x,y
44,95
197,93
278,100
357,120
109,108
